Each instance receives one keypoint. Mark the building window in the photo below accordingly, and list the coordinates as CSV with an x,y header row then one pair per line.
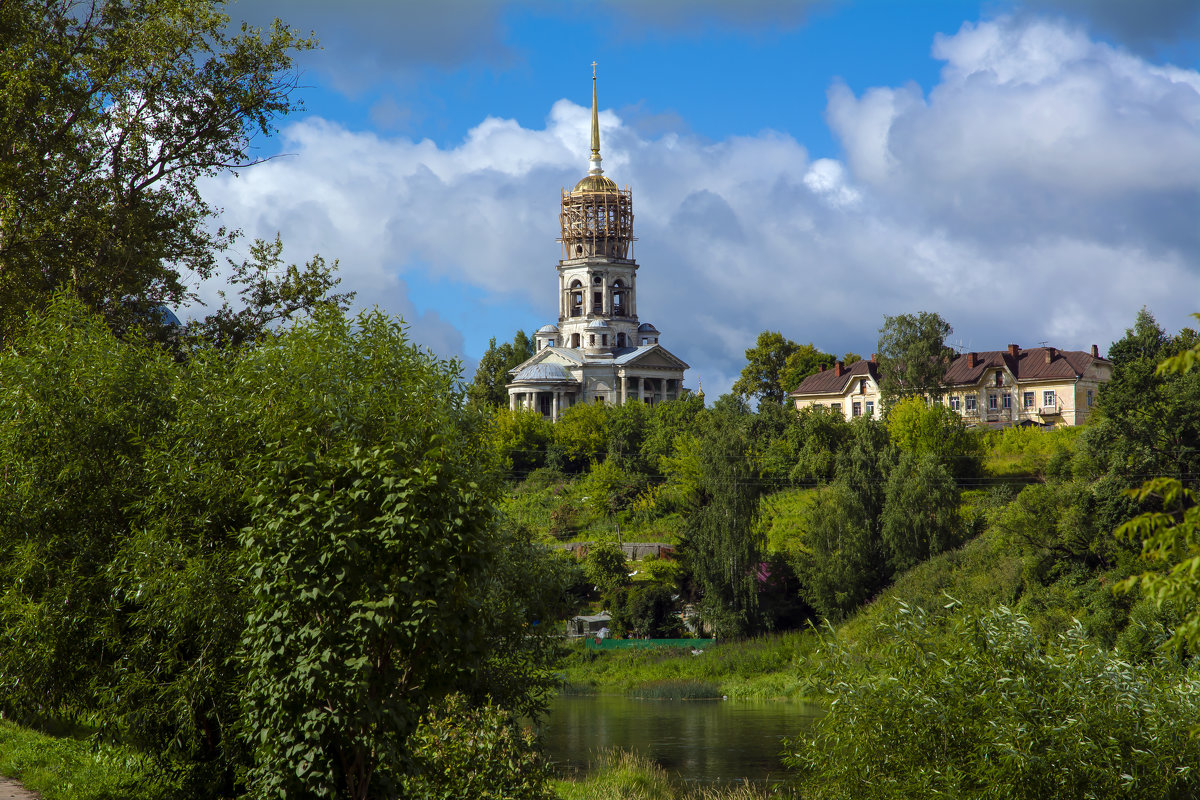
x,y
993,402
575,340
970,403
999,378
955,402
620,340
1027,400
591,340
1007,401
871,408
598,398
604,339
856,410
1048,399
835,407
1090,397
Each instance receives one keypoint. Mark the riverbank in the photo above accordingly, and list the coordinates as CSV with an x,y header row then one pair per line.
x,y
628,776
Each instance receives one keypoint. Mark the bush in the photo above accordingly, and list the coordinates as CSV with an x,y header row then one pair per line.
x,y
480,752
984,709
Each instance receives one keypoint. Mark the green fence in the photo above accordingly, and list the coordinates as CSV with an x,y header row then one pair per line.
x,y
625,644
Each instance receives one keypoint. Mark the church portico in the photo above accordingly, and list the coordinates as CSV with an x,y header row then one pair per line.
x,y
598,351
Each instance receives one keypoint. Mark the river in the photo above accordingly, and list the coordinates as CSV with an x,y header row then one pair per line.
x,y
704,741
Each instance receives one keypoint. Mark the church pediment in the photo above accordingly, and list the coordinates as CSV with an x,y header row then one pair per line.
x,y
651,356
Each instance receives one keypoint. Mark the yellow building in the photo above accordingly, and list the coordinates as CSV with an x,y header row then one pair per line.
x,y
852,390
1042,385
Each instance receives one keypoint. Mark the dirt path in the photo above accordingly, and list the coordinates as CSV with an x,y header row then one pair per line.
x,y
11,790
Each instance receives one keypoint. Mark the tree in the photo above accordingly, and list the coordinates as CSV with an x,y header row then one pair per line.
x,y
913,356
606,568
271,295
1170,535
520,439
765,366
935,430
805,360
110,114
491,377
920,513
722,544
581,435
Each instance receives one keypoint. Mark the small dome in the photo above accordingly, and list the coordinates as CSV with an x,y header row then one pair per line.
x,y
595,183
548,329
597,325
646,327
542,373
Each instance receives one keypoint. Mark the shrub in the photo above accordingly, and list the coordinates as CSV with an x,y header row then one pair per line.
x,y
985,709
480,752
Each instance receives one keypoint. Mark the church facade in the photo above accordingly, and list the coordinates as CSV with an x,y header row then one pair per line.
x,y
598,351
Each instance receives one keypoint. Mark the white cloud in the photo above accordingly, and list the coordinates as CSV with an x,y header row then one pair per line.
x,y
1045,189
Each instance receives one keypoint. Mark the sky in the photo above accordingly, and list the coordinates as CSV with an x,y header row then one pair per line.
x,y
1028,170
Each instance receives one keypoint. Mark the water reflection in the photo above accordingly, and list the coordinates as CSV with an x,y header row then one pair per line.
x,y
707,741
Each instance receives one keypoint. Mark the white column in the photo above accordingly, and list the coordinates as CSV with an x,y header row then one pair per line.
x,y
624,388
554,408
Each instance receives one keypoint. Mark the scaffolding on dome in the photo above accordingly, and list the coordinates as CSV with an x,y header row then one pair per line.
x,y
597,222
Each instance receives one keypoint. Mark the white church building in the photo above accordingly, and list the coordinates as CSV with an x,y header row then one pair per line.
x,y
598,351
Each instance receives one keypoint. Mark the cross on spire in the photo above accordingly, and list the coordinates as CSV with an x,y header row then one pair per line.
x,y
593,69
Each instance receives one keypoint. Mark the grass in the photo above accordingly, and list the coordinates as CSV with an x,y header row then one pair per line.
x,y
763,668
677,690
627,776
64,768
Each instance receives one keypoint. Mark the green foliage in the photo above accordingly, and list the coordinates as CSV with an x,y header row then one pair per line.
x,y
669,421
912,355
920,515
806,360
520,439
649,612
765,365
606,567
1054,524
1170,535
480,752
934,430
111,113
581,435
609,489
817,435
352,634
841,562
489,388
986,709
722,543
271,295
627,427
1026,450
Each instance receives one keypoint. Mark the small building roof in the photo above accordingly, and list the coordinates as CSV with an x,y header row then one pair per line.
x,y
548,329
597,325
543,372
646,327
835,380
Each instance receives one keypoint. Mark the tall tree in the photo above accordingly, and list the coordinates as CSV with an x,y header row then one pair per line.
x,y
722,544
110,113
805,360
765,364
912,355
491,377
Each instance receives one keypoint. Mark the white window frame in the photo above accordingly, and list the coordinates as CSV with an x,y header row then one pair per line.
x,y
971,403
1049,398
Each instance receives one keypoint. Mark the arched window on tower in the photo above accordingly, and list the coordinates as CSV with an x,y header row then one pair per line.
x,y
620,340
575,340
576,298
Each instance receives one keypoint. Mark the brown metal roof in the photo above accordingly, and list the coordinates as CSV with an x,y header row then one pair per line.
x,y
830,382
968,369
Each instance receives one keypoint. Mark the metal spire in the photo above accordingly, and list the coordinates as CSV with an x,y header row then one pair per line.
x,y
595,158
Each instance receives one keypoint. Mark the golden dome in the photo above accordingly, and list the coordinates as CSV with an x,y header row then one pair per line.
x,y
595,183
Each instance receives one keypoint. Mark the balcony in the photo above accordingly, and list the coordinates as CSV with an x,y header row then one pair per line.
x,y
1049,411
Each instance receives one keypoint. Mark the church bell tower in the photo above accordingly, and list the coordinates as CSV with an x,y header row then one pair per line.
x,y
597,276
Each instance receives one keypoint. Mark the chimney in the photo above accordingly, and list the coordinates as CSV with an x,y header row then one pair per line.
x,y
822,369
875,357
971,361
1014,350
1049,354
1095,351
838,369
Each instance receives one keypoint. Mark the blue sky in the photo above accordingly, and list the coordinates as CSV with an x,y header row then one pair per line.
x,y
1030,171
